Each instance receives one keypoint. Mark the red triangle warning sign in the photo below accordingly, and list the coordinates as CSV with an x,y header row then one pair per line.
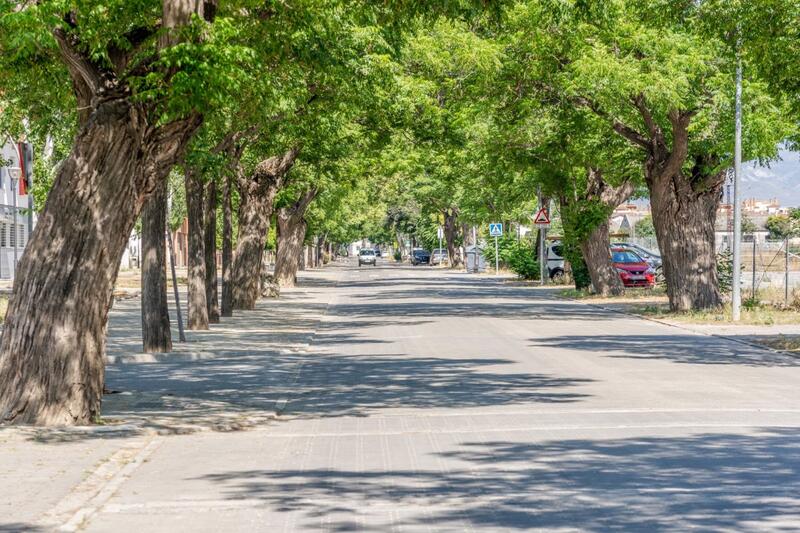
x,y
542,217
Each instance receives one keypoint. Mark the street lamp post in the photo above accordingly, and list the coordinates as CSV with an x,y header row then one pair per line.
x,y
736,292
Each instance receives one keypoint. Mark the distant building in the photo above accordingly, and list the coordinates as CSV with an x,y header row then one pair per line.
x,y
14,230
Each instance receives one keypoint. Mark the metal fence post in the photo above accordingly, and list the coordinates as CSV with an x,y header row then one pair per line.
x,y
786,273
754,268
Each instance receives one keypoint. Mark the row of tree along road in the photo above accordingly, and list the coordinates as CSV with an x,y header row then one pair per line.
x,y
350,118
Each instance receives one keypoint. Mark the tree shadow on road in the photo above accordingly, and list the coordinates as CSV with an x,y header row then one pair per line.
x,y
676,347
710,481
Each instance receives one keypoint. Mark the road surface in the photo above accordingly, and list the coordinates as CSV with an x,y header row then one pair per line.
x,y
415,399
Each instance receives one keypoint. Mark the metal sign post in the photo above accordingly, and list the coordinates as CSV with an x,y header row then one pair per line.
x,y
542,221
181,334
496,230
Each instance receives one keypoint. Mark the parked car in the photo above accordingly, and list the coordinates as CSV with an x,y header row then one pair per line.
x,y
652,258
367,257
633,269
377,252
555,259
439,256
420,256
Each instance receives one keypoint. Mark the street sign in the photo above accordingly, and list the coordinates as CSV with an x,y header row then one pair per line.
x,y
542,218
440,233
495,229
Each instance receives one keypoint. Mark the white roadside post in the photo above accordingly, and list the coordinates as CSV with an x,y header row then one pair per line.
x,y
496,230
440,234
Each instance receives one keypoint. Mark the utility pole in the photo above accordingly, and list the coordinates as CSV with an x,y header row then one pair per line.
x,y
736,297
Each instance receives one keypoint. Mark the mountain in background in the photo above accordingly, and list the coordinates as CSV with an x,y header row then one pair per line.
x,y
781,180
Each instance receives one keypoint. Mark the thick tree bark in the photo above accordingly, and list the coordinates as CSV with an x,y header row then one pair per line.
x,y
291,233
210,248
53,341
156,334
684,220
684,206
197,308
605,278
320,246
594,245
450,235
257,198
227,250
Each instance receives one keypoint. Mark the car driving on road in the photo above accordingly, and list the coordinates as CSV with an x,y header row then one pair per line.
x,y
367,257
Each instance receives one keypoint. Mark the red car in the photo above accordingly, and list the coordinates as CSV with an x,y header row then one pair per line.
x,y
634,271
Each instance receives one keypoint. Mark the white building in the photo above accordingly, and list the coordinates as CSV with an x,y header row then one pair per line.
x,y
14,230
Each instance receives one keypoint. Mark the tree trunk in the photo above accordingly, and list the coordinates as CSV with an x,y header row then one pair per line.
x,y
450,234
156,334
53,342
291,233
290,246
684,222
210,248
257,197
605,278
227,250
320,247
197,318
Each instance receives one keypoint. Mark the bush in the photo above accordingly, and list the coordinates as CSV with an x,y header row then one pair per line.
x,y
398,256
725,271
521,259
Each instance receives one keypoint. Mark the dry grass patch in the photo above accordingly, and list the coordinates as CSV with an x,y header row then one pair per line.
x,y
759,315
786,343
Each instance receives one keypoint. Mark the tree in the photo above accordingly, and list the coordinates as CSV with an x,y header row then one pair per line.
x,y
784,226
292,227
664,86
644,227
51,352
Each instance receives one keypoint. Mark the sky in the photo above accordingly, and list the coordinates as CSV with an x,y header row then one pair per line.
x,y
781,180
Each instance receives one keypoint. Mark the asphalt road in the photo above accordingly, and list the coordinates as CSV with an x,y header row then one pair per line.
x,y
423,400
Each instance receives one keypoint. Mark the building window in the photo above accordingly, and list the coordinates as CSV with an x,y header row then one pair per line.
x,y
21,235
3,240
12,236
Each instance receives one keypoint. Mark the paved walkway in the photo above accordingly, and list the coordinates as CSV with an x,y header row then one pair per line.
x,y
401,399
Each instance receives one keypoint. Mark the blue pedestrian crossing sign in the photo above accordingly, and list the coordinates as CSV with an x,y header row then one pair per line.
x,y
495,229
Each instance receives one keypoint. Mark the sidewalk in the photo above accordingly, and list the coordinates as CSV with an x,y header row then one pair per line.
x,y
233,377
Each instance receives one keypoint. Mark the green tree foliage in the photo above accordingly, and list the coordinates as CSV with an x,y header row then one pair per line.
x,y
783,226
644,227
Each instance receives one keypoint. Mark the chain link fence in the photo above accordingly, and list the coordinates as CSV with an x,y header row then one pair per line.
x,y
770,267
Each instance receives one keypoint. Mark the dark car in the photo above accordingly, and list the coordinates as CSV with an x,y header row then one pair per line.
x,y
633,270
377,252
420,256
